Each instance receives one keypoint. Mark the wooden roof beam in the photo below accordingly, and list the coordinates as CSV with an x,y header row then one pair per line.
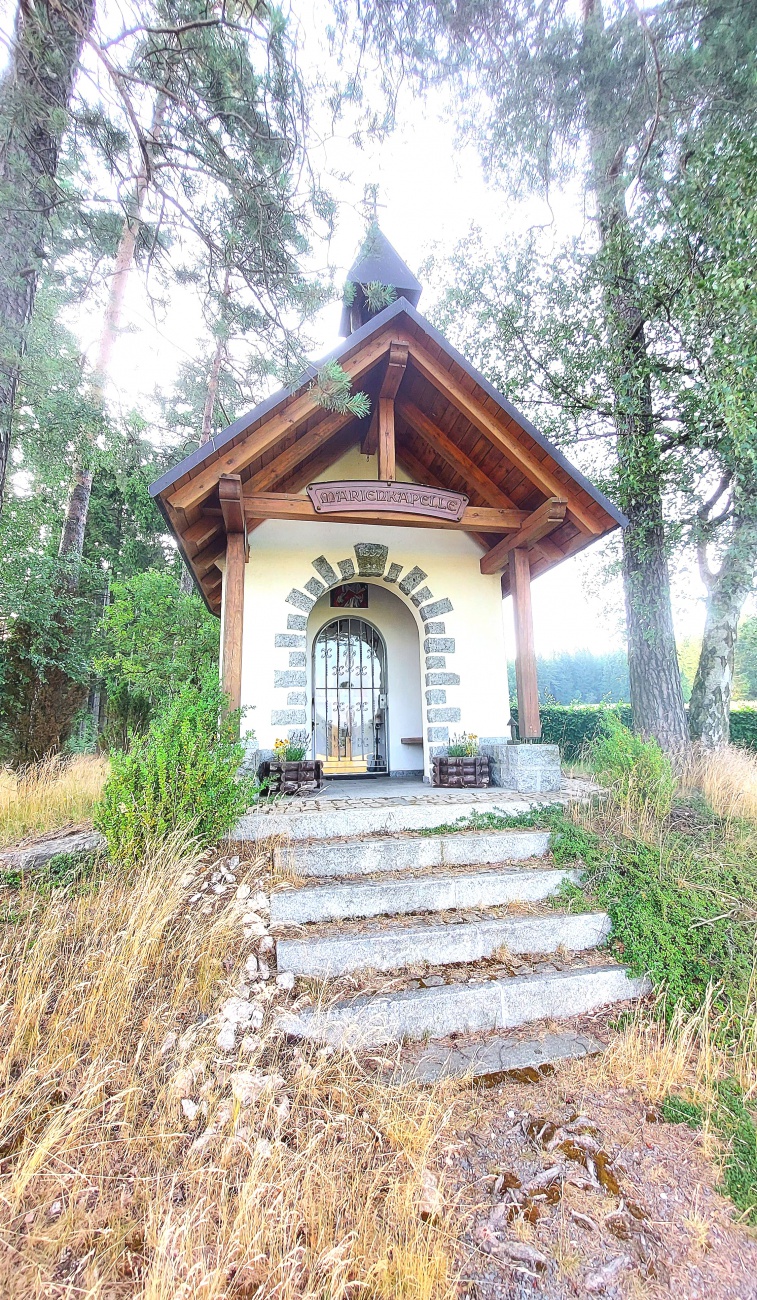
x,y
288,460
457,460
285,505
423,474
393,376
497,434
199,534
540,523
230,496
235,458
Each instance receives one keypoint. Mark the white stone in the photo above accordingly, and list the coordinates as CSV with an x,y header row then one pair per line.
x,y
263,1149
226,1038
285,980
263,969
183,1081
189,1107
243,892
186,879
219,889
169,1043
233,863
238,1011
251,966
260,902
248,1085
266,944
249,1044
255,931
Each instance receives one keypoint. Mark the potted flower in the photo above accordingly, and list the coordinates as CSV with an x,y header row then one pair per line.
x,y
289,772
462,765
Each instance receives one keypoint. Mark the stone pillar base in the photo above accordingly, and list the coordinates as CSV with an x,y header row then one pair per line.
x,y
529,769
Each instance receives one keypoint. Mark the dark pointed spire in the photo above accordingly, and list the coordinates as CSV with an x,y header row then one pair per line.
x,y
376,278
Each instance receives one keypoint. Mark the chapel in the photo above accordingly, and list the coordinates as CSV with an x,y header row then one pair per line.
x,y
359,565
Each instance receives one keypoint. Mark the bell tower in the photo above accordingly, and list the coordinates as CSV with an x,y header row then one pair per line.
x,y
376,278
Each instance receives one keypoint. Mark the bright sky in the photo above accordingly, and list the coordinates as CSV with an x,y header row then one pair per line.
x,y
431,190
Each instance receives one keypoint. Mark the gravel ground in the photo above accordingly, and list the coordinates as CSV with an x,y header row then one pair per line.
x,y
569,1186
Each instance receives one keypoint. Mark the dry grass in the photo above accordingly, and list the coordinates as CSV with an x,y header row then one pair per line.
x,y
727,778
690,1053
49,795
312,1191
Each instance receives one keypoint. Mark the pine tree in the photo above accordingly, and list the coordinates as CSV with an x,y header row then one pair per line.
x,y
35,92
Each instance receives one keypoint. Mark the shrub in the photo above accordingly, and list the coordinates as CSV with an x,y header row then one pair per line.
x,y
638,773
182,773
571,726
744,725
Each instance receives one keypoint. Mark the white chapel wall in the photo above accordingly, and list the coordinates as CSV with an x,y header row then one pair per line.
x,y
391,616
457,612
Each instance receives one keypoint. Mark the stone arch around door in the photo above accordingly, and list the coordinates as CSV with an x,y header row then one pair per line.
x,y
371,561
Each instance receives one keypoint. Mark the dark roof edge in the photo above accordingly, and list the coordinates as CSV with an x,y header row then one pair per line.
x,y
187,562
396,308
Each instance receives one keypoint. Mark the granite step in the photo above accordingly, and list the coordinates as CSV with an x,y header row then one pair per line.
x,y
413,1015
332,858
389,896
486,1060
394,947
324,824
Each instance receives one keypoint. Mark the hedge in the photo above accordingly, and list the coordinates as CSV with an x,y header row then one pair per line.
x,y
571,725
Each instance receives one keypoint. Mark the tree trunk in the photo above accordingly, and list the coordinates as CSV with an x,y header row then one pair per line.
x,y
710,705
655,679
35,92
77,507
186,582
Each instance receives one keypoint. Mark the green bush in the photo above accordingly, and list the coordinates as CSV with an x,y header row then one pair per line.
x,y
744,725
184,772
637,772
572,726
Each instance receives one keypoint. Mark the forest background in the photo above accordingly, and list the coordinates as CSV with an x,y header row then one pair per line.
x,y
205,159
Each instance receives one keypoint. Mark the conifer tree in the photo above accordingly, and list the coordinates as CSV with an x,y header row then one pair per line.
x,y
35,92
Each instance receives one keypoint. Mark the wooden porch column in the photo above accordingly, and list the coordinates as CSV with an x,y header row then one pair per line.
x,y
230,493
529,719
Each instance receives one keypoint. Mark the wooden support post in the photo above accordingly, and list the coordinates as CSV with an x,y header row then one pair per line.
x,y
529,719
230,493
387,470
233,618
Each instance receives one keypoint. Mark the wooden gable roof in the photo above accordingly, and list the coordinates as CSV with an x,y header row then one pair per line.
x,y
452,430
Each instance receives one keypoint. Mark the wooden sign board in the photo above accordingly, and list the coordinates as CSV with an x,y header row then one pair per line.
x,y
354,495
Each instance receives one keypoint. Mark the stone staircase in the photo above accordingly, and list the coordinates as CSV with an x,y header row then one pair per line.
x,y
432,936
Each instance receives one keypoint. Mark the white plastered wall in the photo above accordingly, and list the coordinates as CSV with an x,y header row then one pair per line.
x,y
465,642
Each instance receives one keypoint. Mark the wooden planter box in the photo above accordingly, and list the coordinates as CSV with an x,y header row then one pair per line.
x,y
457,772
292,778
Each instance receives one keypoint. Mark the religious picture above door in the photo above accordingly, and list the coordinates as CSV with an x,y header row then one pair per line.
x,y
353,595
